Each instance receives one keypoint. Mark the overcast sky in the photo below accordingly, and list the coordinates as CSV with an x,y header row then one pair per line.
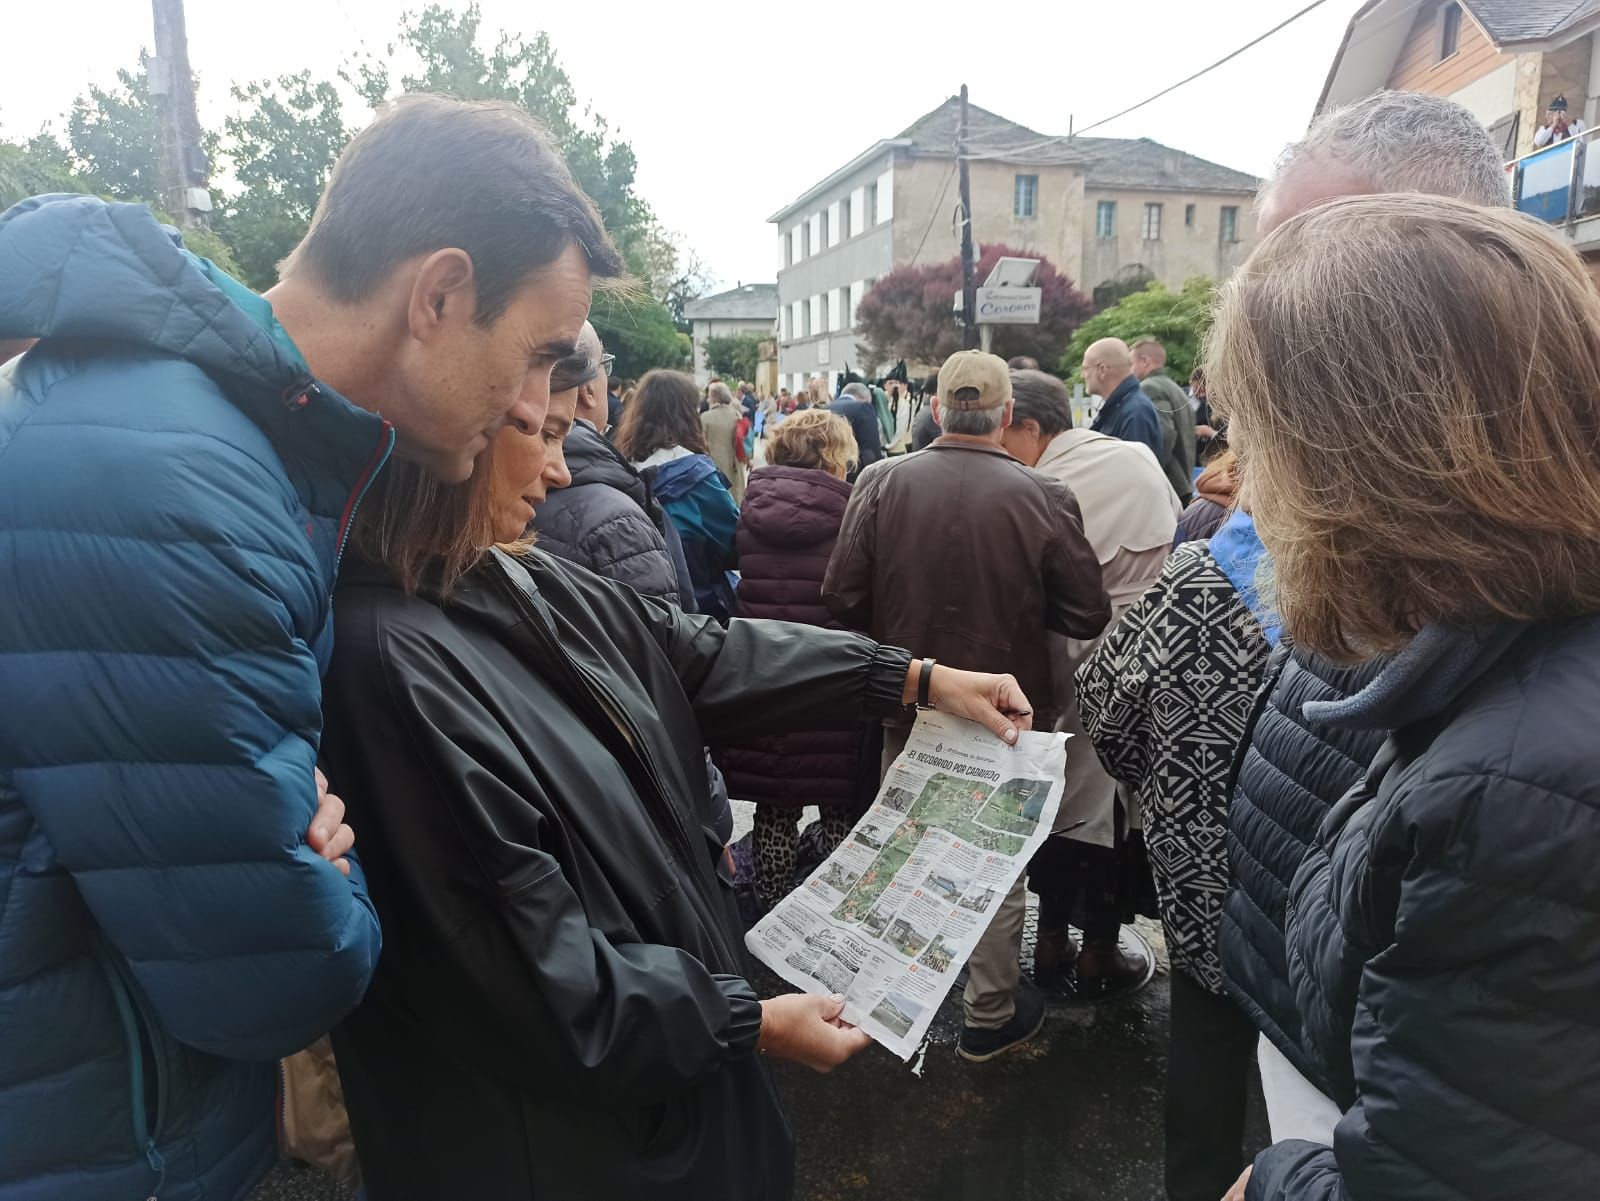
x,y
735,108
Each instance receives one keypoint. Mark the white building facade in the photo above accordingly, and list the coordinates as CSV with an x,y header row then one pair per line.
x,y
834,242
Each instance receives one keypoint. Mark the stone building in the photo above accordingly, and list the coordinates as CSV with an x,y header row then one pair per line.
x,y
746,309
1100,209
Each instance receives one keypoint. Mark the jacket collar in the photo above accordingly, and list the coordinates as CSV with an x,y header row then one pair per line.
x,y
1438,665
1068,441
955,442
1121,392
76,267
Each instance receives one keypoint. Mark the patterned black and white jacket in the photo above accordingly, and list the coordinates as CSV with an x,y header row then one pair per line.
x,y
1166,699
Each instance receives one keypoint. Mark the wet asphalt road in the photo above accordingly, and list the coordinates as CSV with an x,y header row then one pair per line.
x,y
1074,1116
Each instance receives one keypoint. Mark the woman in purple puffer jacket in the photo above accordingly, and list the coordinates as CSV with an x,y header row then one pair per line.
x,y
792,511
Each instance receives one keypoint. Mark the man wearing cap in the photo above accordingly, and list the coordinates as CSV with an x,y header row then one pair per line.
x,y
963,550
1556,127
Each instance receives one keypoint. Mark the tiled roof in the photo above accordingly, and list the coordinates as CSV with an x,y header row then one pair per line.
x,y
1529,20
1107,162
748,302
1141,163
987,135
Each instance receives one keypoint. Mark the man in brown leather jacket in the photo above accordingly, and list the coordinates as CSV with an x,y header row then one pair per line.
x,y
962,550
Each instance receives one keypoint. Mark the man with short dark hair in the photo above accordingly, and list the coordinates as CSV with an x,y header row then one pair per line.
x,y
183,459
1174,413
965,552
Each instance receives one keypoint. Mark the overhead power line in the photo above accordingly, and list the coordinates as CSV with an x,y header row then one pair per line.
x,y
1227,58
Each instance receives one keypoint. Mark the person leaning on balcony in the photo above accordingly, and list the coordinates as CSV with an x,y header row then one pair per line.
x,y
1557,127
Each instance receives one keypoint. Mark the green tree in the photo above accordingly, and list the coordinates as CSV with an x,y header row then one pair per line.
x,y
440,50
445,51
640,333
32,169
283,142
734,356
1178,320
114,139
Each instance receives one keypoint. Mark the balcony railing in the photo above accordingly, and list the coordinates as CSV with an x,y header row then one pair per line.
x,y
1559,184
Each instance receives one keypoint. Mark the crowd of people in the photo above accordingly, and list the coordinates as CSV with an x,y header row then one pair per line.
x,y
389,550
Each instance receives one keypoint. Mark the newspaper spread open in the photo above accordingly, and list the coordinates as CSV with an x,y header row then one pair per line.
x,y
890,917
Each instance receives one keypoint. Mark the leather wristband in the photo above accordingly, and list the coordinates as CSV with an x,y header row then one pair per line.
x,y
924,680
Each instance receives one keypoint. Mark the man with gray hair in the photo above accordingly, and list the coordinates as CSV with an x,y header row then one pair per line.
x,y
1387,142
855,406
1293,770
965,552
723,440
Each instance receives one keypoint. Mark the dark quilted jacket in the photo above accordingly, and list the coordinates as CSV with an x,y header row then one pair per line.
x,y
1444,931
607,520
787,529
1292,772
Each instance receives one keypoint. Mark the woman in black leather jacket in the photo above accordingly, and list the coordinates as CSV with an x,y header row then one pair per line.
x,y
561,1009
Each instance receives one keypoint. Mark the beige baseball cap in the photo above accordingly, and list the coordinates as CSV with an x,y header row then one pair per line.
x,y
986,373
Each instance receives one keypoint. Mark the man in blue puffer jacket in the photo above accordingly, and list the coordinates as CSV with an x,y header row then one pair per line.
x,y
178,469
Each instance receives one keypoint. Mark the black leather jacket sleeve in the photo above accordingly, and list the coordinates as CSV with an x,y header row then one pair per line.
x,y
764,677
463,816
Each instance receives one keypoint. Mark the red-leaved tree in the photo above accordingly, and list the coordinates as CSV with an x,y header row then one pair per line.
x,y
909,314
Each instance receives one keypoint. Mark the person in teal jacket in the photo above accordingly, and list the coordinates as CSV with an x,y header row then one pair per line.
x,y
662,437
179,467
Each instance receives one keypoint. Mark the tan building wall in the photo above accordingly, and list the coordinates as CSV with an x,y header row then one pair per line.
x,y
1419,69
1182,251
1063,230
926,193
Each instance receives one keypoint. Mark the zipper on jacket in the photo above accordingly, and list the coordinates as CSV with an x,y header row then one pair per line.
x,y
695,860
380,456
134,1024
615,714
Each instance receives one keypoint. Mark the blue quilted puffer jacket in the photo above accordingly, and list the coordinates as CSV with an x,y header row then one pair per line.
x,y
174,492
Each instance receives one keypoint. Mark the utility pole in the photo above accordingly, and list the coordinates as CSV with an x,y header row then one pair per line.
x,y
184,162
969,290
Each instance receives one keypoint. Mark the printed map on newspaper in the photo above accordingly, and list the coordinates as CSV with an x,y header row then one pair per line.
x,y
890,917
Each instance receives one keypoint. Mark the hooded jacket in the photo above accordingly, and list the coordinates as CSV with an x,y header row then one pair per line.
x,y
787,530
607,520
562,1010
703,511
1442,930
175,489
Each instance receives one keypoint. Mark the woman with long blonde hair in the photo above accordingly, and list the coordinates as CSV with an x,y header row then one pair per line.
x,y
1413,387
